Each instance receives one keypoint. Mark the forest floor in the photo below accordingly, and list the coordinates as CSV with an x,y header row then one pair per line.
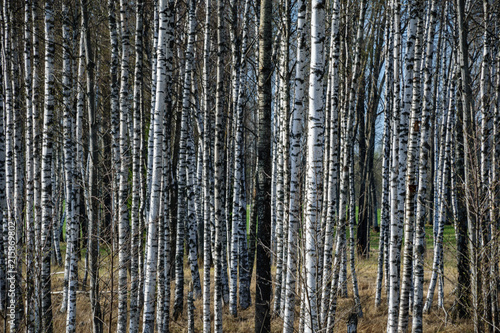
x,y
373,320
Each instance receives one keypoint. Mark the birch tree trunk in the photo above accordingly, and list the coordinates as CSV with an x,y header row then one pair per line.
x,y
218,212
444,174
46,230
9,166
385,201
123,225
239,176
296,135
394,251
30,298
282,110
36,120
314,162
182,177
410,181
3,199
136,173
115,112
163,72
191,216
69,298
207,251
333,160
419,247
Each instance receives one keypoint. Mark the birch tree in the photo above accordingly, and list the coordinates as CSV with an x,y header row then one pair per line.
x,y
315,131
162,71
394,250
136,172
46,230
217,245
422,174
296,134
332,197
123,225
206,173
410,185
9,161
383,257
30,234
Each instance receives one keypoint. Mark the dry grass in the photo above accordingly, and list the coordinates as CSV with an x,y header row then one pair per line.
x,y
374,320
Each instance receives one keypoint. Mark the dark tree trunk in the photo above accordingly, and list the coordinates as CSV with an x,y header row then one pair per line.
x,y
462,297
93,184
263,269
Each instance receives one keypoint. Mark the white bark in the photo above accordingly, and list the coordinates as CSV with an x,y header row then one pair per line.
x,y
30,298
333,160
419,246
163,68
314,160
47,168
136,175
410,185
218,171
191,215
296,135
123,224
206,174
395,237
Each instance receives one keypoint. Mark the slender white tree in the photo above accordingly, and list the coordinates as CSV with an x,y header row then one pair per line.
x,y
191,214
136,173
46,187
217,248
207,250
332,197
395,225
410,184
315,129
29,220
123,224
163,56
296,135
